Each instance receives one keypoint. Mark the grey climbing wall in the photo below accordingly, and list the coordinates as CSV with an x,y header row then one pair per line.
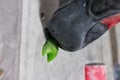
x,y
10,28
22,38
67,65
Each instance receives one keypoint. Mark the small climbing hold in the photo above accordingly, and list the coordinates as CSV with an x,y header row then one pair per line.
x,y
1,73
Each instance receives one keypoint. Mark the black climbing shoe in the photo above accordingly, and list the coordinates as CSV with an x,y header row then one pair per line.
x,y
77,23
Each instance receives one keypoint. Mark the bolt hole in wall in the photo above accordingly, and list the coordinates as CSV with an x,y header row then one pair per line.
x,y
42,15
47,9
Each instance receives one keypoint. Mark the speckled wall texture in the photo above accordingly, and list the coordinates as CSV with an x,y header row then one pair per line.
x,y
22,37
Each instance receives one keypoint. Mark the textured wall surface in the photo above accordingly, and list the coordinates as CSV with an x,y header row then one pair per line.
x,y
67,66
22,38
10,23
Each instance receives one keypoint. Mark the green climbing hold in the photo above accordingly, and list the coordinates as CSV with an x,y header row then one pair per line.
x,y
50,49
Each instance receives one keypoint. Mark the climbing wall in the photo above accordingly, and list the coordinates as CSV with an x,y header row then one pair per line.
x,y
67,65
22,38
10,32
